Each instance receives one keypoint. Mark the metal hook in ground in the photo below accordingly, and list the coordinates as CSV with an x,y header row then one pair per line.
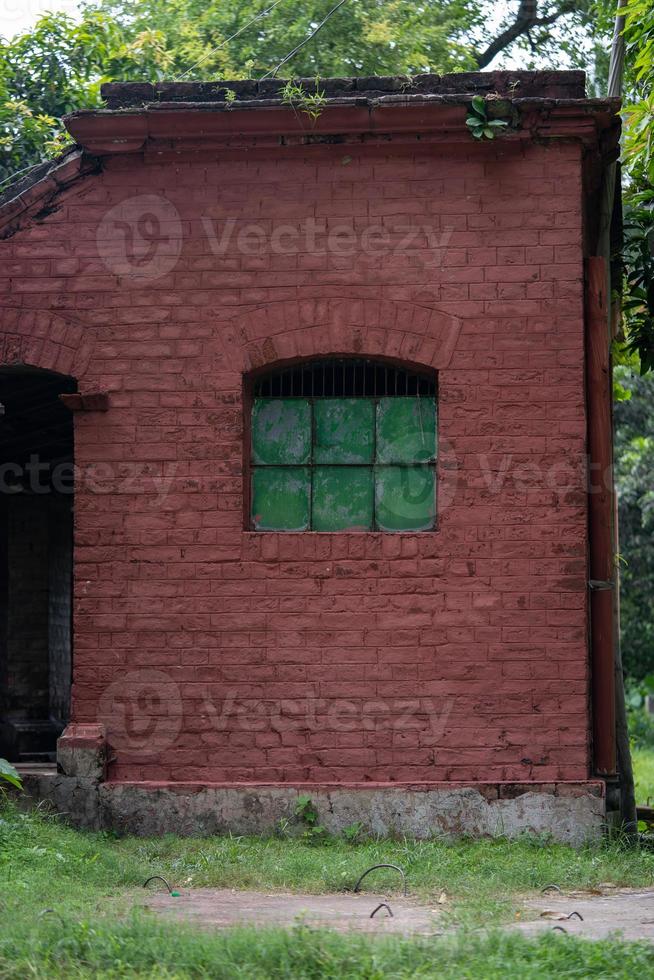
x,y
158,878
394,867
52,912
382,905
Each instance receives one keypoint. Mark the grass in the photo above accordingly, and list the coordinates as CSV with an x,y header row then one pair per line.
x,y
145,949
643,762
93,879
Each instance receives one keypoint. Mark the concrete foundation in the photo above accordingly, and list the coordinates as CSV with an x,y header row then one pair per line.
x,y
570,813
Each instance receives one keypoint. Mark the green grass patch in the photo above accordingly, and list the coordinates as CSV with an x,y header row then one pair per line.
x,y
93,880
149,949
643,763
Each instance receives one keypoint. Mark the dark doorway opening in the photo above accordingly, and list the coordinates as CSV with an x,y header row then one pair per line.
x,y
36,561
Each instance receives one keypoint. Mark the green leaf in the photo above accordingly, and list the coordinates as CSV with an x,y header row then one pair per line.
x,y
9,774
479,106
489,133
620,393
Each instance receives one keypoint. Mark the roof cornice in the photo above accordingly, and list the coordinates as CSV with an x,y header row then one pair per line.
x,y
172,124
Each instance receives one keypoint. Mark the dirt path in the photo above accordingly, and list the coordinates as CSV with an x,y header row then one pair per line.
x,y
600,914
223,908
625,910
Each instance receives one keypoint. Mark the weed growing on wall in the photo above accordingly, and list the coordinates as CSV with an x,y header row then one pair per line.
x,y
311,103
479,123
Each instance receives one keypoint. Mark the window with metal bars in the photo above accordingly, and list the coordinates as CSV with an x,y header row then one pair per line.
x,y
343,445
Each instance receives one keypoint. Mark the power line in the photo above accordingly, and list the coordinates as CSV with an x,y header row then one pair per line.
x,y
271,74
227,40
11,177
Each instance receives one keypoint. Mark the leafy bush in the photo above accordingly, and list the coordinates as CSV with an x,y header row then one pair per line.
x,y
9,775
634,472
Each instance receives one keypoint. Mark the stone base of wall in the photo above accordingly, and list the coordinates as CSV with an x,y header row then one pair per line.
x,y
572,813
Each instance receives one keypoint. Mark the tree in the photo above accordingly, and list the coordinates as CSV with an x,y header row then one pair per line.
x,y
44,74
638,155
634,412
362,38
365,37
58,67
551,32
634,451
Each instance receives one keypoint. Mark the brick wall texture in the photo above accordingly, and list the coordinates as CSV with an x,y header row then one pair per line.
x,y
219,654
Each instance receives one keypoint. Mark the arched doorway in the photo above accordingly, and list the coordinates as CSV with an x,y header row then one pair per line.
x,y
36,546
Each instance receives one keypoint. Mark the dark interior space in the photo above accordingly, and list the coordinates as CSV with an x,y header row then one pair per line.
x,y
36,536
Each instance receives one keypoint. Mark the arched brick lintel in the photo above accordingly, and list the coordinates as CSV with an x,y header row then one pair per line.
x,y
287,331
44,340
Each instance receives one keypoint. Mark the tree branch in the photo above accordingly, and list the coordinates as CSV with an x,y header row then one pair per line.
x,y
525,19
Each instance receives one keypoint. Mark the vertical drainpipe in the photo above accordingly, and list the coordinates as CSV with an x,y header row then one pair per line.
x,y
600,517
609,720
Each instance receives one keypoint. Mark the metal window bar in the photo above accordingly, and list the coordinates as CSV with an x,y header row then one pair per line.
x,y
345,378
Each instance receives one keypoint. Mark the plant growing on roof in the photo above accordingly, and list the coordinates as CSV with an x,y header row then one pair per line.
x,y
479,123
311,103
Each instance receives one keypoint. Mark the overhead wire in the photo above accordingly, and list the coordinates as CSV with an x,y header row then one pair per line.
x,y
200,61
222,44
17,173
291,54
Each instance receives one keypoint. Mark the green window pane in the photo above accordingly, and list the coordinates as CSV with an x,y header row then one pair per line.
x,y
406,430
281,430
342,498
405,498
280,498
344,430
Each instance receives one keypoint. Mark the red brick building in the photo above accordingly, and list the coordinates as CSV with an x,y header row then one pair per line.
x,y
313,392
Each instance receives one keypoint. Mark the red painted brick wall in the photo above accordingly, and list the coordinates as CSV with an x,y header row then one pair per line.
x,y
217,654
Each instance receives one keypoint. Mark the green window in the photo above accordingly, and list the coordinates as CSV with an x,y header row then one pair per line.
x,y
343,446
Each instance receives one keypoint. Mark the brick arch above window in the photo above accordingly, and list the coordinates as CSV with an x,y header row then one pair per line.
x,y
292,330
